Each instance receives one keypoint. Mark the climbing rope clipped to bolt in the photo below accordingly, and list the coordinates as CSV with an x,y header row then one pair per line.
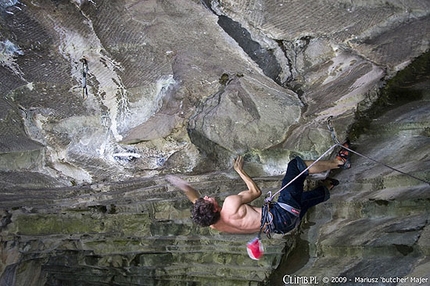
x,y
255,247
84,77
337,144
336,141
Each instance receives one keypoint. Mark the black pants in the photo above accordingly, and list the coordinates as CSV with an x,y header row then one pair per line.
x,y
294,196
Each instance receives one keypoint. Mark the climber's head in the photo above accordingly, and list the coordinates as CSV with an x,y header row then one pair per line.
x,y
206,211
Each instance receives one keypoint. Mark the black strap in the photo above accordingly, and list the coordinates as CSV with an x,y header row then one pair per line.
x,y
266,221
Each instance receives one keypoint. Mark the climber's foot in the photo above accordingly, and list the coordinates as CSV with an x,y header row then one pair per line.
x,y
344,156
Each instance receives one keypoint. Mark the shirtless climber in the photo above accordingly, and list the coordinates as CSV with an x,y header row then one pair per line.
x,y
237,216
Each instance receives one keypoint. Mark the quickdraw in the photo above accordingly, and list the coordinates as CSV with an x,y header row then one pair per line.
x,y
255,247
266,221
332,132
84,78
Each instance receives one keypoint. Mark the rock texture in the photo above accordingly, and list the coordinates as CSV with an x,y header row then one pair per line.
x,y
137,233
376,222
101,99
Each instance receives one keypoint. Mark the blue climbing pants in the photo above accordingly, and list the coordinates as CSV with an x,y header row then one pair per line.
x,y
294,196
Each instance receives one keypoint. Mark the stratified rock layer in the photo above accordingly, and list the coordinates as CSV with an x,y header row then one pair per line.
x,y
377,221
138,233
100,99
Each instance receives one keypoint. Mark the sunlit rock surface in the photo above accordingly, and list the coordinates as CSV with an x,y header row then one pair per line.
x,y
101,99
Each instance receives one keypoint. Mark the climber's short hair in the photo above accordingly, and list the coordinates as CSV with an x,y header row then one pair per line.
x,y
203,213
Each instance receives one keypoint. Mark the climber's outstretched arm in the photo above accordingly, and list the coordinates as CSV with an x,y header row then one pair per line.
x,y
253,191
189,191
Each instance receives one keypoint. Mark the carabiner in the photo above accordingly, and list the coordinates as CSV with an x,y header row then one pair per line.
x,y
331,129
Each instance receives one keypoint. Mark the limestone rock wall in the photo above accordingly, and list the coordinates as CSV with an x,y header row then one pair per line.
x,y
99,90
155,70
101,98
137,233
375,224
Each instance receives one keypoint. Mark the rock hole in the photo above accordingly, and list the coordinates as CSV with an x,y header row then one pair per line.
x,y
404,249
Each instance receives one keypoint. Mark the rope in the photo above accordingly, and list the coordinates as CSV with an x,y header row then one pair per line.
x,y
265,219
270,196
385,165
337,143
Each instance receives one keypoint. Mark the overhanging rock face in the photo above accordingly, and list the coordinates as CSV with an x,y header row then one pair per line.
x,y
101,99
376,223
138,233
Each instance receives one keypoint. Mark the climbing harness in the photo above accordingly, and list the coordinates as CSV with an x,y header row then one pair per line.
x,y
255,247
295,212
267,226
266,221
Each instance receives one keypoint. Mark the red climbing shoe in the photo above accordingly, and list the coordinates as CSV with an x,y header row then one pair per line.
x,y
344,156
255,249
